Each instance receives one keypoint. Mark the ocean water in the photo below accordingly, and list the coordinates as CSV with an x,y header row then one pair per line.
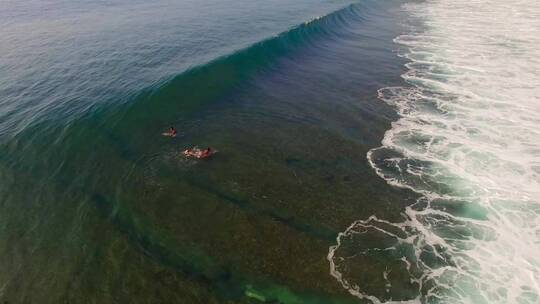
x,y
368,151
108,51
97,207
468,142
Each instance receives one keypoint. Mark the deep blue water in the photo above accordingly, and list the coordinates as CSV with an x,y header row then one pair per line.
x,y
65,57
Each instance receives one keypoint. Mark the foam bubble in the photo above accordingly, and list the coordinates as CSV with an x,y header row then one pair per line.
x,y
468,141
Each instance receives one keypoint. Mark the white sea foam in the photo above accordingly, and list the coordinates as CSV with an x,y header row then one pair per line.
x,y
468,141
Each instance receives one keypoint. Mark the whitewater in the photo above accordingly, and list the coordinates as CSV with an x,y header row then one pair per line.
x,y
467,141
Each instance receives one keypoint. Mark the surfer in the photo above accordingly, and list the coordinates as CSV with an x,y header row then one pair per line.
x,y
197,153
171,132
206,152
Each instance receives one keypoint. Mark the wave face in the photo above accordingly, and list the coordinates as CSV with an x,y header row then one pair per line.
x,y
468,142
63,59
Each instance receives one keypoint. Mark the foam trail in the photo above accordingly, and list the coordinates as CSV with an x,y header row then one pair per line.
x,y
468,141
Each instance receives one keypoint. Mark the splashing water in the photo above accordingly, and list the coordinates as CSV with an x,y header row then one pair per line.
x,y
468,142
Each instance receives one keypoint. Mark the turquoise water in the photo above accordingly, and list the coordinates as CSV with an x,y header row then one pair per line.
x,y
97,207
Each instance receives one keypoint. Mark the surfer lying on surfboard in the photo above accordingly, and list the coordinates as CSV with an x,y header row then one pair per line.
x,y
197,153
170,133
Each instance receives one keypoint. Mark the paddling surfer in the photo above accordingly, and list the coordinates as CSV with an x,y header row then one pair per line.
x,y
171,132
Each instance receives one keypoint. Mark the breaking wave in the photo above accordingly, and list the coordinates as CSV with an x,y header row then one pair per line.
x,y
468,142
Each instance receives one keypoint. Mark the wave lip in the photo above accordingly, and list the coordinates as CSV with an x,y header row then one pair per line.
x,y
468,142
